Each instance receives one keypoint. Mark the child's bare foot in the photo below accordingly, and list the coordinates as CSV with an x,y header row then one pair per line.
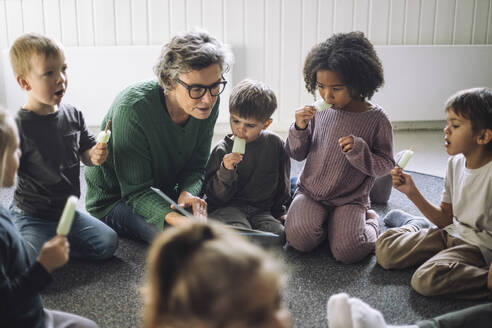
x,y
489,282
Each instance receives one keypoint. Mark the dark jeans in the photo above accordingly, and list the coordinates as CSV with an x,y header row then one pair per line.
x,y
129,224
89,238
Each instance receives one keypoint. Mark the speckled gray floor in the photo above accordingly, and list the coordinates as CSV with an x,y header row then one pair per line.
x,y
107,292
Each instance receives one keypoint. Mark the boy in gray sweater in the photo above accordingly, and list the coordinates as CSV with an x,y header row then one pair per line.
x,y
249,189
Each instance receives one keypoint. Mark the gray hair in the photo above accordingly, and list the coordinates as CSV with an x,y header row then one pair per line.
x,y
193,50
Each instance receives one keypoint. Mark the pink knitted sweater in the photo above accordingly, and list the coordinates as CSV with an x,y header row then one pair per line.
x,y
332,176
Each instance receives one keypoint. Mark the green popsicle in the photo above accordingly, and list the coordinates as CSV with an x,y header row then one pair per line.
x,y
321,105
239,145
103,136
66,219
405,158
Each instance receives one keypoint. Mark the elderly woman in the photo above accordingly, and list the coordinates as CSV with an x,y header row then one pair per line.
x,y
161,136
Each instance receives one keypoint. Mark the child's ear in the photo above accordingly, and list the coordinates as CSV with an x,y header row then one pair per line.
x,y
485,137
24,84
267,123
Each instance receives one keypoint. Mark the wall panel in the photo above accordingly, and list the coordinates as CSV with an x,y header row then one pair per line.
x,y
269,38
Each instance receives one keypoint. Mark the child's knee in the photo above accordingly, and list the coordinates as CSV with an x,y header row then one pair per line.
x,y
349,255
108,244
384,253
425,279
302,240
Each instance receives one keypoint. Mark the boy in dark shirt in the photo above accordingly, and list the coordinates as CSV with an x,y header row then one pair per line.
x,y
249,190
53,140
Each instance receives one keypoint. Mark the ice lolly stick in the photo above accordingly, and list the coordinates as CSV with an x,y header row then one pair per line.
x,y
68,214
405,158
239,145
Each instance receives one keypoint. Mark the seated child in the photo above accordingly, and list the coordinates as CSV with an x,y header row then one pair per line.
x,y
249,190
209,276
20,279
346,147
53,140
206,275
455,257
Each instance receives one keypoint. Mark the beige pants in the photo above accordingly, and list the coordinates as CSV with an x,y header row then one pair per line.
x,y
448,265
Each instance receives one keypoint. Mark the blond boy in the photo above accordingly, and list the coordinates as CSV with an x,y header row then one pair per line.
x,y
53,139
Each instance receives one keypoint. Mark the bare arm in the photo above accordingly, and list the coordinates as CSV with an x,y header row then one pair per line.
x,y
441,215
176,219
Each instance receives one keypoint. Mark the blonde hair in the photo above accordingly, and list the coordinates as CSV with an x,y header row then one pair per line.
x,y
205,275
28,45
7,130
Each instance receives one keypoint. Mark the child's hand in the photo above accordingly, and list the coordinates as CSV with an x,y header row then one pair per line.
x,y
231,160
99,153
347,143
54,253
198,205
304,115
401,181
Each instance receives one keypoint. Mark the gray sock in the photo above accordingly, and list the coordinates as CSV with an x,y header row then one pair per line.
x,y
398,218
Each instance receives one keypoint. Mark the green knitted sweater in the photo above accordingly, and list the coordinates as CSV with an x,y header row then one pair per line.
x,y
147,149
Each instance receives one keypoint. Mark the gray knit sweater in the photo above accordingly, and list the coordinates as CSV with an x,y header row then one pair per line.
x,y
332,176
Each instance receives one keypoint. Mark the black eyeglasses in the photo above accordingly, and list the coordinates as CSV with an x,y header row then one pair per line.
x,y
196,91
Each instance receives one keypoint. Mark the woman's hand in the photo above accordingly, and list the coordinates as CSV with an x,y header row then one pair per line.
x,y
54,253
304,115
231,160
347,143
198,205
402,182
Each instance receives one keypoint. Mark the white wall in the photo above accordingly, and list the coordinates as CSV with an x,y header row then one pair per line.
x,y
269,38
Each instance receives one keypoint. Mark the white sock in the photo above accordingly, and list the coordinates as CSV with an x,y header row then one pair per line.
x,y
338,311
364,316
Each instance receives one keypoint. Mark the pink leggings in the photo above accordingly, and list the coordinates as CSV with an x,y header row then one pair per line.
x,y
351,236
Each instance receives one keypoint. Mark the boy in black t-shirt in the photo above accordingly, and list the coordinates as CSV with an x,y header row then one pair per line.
x,y
54,138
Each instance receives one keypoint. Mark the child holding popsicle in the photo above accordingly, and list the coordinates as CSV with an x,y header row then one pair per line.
x,y
454,258
247,182
346,145
53,140
21,279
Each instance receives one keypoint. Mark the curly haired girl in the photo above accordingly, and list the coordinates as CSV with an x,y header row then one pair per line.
x,y
345,146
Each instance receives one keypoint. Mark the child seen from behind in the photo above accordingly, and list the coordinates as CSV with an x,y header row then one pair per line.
x,y
53,140
346,147
454,258
209,276
21,280
249,190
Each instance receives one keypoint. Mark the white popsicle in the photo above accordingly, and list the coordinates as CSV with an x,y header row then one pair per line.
x,y
103,136
66,219
239,145
405,158
321,105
